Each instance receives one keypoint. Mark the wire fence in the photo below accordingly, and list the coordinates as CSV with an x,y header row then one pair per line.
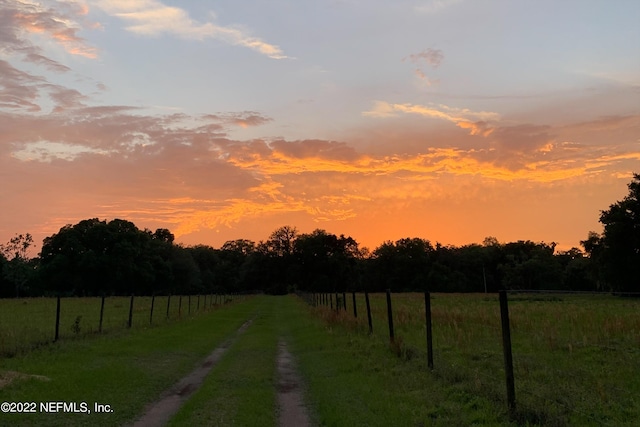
x,y
548,357
27,323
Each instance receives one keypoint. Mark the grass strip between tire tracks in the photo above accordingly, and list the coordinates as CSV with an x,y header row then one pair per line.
x,y
240,390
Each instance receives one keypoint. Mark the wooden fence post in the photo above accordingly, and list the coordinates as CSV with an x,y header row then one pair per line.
x,y
390,316
506,348
57,335
168,305
344,301
180,306
427,311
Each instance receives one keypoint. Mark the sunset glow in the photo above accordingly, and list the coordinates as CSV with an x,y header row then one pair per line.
x,y
446,120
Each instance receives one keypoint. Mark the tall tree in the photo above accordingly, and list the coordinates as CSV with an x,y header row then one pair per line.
x,y
280,242
621,241
593,247
18,269
94,256
325,261
400,266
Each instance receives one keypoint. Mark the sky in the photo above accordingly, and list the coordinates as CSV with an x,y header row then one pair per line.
x,y
448,120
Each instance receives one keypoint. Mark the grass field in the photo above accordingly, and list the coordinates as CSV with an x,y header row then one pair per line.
x,y
576,357
576,361
126,369
27,323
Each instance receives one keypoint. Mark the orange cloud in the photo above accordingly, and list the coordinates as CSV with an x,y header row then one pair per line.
x,y
183,173
59,24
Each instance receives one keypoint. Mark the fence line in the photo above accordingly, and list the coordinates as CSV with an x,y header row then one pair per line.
x,y
22,329
505,329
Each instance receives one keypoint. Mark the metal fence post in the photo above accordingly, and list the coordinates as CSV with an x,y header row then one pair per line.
x,y
153,300
130,312
427,311
366,298
390,316
355,309
506,347
101,314
57,335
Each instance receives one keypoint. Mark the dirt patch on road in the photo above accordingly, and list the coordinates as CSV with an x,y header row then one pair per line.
x,y
159,412
293,412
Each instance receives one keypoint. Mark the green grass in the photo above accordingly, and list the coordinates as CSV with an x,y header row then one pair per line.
x,y
576,361
240,390
126,369
28,323
576,357
349,379
356,380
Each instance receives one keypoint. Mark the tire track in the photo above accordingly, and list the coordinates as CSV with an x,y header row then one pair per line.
x,y
160,412
293,412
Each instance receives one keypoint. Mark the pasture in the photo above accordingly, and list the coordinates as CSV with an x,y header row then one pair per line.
x,y
26,323
575,357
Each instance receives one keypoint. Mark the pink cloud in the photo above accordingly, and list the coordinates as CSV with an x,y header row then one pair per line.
x,y
58,23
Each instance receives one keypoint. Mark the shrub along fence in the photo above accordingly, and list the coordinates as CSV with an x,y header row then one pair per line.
x,y
562,340
27,323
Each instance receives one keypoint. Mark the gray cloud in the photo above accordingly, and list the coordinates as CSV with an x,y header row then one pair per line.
x,y
48,63
18,89
18,18
432,57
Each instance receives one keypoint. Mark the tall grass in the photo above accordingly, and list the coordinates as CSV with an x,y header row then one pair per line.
x,y
576,357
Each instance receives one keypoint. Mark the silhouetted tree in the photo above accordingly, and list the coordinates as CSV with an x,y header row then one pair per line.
x,y
207,260
618,249
96,256
402,265
593,246
530,265
325,262
576,269
17,269
280,242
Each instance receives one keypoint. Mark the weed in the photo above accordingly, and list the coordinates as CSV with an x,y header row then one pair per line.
x,y
76,325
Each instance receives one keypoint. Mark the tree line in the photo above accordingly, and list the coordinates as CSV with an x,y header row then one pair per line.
x,y
99,257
